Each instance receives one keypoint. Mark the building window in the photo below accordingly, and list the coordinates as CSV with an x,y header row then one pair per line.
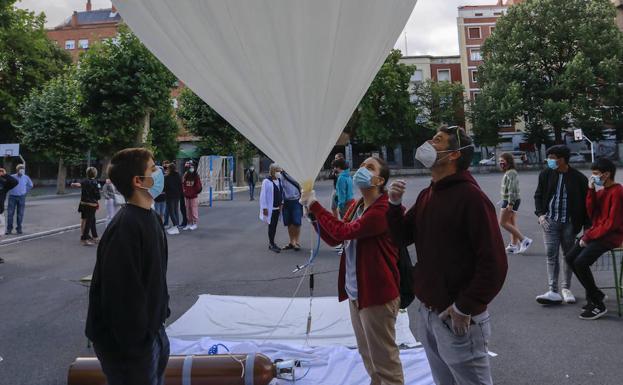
x,y
444,76
474,33
70,44
475,95
474,76
497,13
478,14
418,76
491,29
475,54
83,43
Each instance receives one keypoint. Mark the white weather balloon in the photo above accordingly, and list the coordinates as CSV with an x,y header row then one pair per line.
x,y
287,74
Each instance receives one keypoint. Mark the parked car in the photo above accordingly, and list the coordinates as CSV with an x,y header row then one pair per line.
x,y
576,157
488,162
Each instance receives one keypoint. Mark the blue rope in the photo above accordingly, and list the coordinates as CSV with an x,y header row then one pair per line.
x,y
214,349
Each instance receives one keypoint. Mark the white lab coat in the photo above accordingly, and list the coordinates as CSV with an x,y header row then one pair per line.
x,y
266,198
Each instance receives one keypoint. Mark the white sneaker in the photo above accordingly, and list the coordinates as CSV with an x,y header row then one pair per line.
x,y
512,249
524,245
187,227
193,227
549,298
567,296
173,230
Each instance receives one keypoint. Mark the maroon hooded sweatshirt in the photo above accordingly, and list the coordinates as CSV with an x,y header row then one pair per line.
x,y
460,251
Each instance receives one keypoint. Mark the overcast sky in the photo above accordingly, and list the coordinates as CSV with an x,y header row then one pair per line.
x,y
431,30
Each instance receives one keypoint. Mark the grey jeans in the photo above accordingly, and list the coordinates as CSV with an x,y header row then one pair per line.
x,y
455,360
557,235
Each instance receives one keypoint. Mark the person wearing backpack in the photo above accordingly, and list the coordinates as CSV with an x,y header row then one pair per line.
x,y
368,277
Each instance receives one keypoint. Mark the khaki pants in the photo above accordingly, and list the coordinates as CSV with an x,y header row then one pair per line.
x,y
375,331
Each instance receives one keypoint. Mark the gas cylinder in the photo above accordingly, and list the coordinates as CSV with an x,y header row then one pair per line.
x,y
220,369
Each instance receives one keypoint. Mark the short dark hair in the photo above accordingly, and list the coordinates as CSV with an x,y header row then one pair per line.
x,y
339,155
458,139
91,172
339,163
171,167
560,151
125,165
605,165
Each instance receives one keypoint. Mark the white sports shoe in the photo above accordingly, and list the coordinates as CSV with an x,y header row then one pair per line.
x,y
512,249
549,298
568,296
524,245
193,227
173,230
187,227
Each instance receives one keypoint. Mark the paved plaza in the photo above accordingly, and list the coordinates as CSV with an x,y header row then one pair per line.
x,y
43,303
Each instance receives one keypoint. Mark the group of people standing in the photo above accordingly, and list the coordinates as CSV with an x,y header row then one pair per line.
x,y
179,195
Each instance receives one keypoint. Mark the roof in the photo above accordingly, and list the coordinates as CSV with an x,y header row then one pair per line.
x,y
94,17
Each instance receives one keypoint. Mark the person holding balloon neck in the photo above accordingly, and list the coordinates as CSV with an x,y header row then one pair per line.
x,y
368,275
461,261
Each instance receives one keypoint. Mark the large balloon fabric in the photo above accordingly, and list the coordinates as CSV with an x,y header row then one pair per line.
x,y
287,74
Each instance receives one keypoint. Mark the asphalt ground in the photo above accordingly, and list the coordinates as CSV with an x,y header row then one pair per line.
x,y
43,304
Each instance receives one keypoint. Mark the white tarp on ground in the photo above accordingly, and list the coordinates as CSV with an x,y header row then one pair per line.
x,y
286,74
253,319
328,365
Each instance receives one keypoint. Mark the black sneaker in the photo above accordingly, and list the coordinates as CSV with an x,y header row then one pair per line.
x,y
594,311
288,247
588,305
274,248
1,260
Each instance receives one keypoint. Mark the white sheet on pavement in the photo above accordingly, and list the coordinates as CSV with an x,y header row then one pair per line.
x,y
328,365
253,319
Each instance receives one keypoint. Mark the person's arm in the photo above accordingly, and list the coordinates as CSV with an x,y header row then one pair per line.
x,y
10,183
371,224
123,295
489,257
29,184
264,198
613,222
592,203
401,224
513,188
538,195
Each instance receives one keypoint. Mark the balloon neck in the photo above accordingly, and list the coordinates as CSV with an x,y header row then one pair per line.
x,y
308,185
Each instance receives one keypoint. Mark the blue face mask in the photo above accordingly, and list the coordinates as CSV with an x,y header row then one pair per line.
x,y
158,186
597,180
551,163
363,178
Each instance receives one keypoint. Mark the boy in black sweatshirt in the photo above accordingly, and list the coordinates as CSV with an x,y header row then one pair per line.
x,y
128,299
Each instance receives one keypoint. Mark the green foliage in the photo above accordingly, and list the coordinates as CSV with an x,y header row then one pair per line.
x,y
385,115
27,60
562,58
121,82
51,122
493,107
218,137
163,134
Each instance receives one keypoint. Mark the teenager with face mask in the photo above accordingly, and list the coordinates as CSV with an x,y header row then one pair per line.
x,y
510,205
605,210
192,189
271,204
368,275
461,262
560,203
128,297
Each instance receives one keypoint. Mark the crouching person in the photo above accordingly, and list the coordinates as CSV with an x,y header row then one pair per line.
x,y
128,298
368,276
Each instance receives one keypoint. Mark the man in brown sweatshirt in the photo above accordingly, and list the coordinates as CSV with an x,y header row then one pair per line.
x,y
461,261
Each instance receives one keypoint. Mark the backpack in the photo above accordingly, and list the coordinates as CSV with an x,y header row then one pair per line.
x,y
405,270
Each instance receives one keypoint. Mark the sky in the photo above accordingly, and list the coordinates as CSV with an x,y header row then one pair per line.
x,y
431,29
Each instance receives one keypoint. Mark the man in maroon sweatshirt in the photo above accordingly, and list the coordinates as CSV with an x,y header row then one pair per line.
x,y
461,262
605,209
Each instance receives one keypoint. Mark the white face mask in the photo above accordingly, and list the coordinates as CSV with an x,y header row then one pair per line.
x,y
427,154
278,175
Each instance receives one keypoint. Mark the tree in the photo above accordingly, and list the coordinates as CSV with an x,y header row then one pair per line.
x,y
163,134
51,124
27,60
564,58
493,107
386,114
217,135
122,84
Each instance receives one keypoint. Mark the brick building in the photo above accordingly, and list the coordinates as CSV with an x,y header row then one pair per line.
x,y
83,28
